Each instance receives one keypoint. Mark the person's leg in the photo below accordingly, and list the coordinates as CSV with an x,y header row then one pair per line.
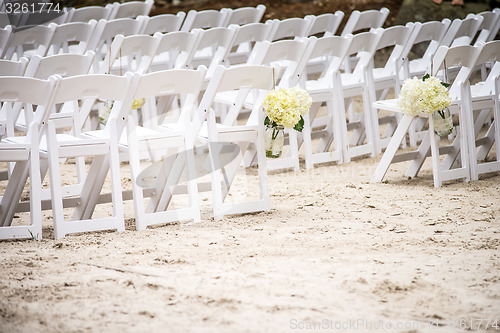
x,y
457,2
438,2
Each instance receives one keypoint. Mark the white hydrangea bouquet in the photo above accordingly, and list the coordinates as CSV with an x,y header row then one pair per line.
x,y
105,110
428,95
284,108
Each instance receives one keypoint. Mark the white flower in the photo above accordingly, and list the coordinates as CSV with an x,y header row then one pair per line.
x,y
286,106
426,96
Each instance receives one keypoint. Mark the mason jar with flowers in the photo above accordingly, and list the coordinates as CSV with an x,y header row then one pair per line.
x,y
431,96
284,108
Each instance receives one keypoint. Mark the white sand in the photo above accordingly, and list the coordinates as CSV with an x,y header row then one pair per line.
x,y
334,251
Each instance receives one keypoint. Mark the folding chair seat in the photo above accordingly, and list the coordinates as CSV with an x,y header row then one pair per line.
x,y
455,164
162,23
246,37
132,9
219,136
87,13
23,152
104,152
483,108
325,25
290,28
285,56
173,146
106,31
205,19
28,42
245,15
73,37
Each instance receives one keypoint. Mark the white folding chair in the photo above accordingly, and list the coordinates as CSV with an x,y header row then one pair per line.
x,y
175,50
464,56
174,143
28,42
462,32
87,13
323,129
246,37
162,23
212,48
220,137
23,151
290,28
489,27
104,150
204,19
132,53
429,35
285,56
362,140
325,25
482,104
67,64
73,37
365,20
421,47
385,78
106,31
132,9
13,67
245,15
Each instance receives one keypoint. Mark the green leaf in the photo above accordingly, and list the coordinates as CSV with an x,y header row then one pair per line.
x,y
426,76
446,85
300,125
267,121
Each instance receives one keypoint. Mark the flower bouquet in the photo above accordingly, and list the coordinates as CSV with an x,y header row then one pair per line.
x,y
108,105
284,108
431,96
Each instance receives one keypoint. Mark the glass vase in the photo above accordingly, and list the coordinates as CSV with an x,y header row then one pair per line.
x,y
274,137
443,122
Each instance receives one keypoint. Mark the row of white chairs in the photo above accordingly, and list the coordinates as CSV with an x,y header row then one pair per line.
x,y
42,147
89,35
138,52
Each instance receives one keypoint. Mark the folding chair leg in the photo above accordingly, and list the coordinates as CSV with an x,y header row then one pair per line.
x,y
392,148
